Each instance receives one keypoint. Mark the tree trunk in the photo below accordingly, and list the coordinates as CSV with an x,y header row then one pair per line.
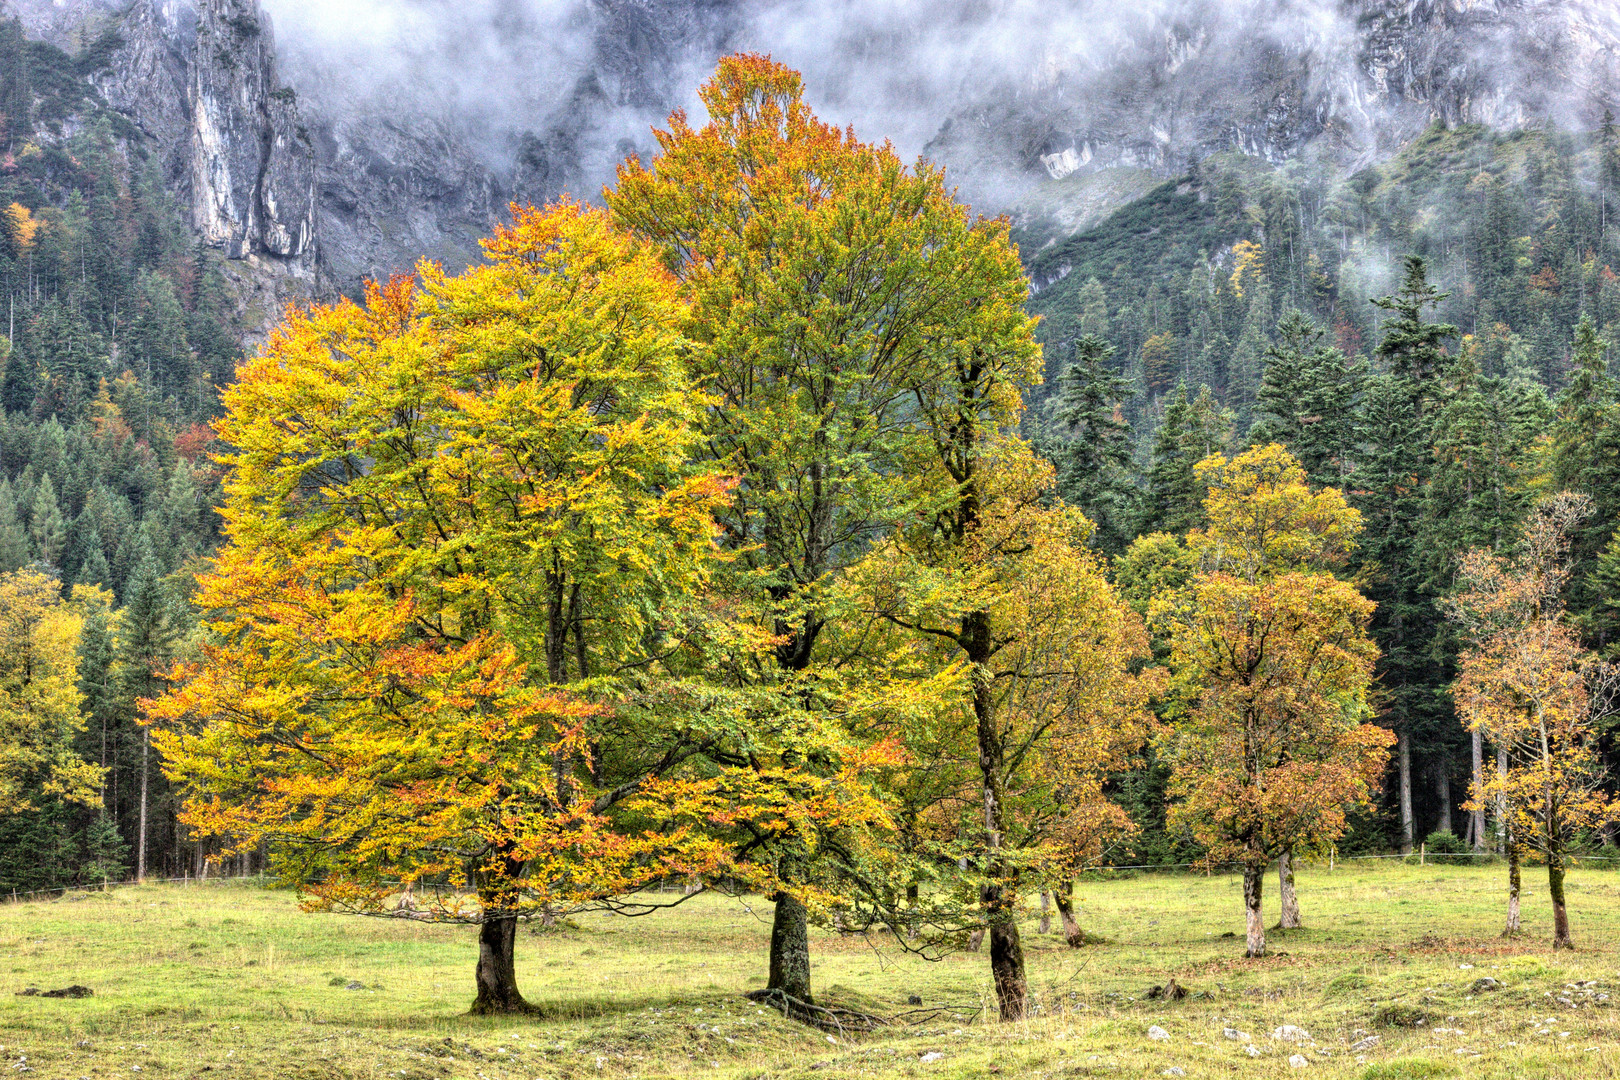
x,y
1072,933
140,843
1477,815
497,971
1285,892
911,902
975,940
1253,877
997,894
1046,912
1555,886
1443,791
1501,804
790,949
1007,968
1513,888
1406,791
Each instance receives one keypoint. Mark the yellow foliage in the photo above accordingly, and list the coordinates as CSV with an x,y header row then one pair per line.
x,y
39,696
1248,265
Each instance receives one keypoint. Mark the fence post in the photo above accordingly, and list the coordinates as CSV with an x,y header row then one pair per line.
x,y
1423,854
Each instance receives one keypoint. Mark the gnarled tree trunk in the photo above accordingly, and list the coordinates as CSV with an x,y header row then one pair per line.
x,y
1064,897
1285,891
497,971
1254,874
790,948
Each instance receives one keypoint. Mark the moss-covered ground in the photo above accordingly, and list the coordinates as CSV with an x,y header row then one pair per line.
x,y
233,980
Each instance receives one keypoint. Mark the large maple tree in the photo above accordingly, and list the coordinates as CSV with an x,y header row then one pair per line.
x,y
467,584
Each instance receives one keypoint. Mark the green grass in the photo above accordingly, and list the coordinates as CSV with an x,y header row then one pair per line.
x,y
234,981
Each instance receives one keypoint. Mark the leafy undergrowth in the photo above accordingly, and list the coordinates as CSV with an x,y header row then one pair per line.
x,y
234,981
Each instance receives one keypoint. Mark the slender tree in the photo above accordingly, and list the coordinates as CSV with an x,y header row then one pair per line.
x,y
1530,687
1272,667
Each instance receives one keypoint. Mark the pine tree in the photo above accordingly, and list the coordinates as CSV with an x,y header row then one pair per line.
x,y
1094,458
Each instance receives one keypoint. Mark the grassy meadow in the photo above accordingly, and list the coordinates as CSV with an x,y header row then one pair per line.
x,y
232,980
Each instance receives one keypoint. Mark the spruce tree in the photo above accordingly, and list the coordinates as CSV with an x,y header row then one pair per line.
x,y
1586,458
1308,400
1190,432
146,641
13,537
1095,455
1391,484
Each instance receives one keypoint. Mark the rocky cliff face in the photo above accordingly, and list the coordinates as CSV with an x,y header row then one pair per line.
x,y
201,82
379,151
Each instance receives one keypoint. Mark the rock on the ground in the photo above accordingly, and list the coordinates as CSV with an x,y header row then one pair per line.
x,y
1174,1070
355,984
1236,1036
1368,1043
1483,984
1158,1034
1291,1033
931,1057
1252,1050
1299,1061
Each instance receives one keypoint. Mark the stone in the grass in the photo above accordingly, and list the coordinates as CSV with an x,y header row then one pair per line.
x,y
931,1057
1174,1070
1158,1034
1236,1036
1291,1033
1252,1050
1369,1043
1484,984
914,999
1299,1061
355,984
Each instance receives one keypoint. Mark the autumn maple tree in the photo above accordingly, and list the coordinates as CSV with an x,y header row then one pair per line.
x,y
1051,708
39,696
470,548
829,284
1272,667
1527,684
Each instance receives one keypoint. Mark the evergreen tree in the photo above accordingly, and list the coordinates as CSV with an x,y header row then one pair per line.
x,y
1391,485
1586,458
1191,431
45,528
1308,400
1094,460
13,537
148,632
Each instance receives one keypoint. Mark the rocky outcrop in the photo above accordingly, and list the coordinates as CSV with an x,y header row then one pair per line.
x,y
253,166
414,148
200,82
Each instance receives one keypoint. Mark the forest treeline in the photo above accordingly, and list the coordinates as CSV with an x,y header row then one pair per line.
x,y
1243,304
115,330
727,532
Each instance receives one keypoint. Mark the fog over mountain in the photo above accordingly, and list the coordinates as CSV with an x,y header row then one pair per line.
x,y
423,118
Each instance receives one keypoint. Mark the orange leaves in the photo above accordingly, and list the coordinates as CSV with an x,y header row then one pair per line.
x,y
458,514
1527,683
1272,665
